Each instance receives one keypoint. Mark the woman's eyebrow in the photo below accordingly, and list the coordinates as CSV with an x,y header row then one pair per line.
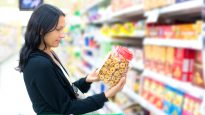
x,y
60,26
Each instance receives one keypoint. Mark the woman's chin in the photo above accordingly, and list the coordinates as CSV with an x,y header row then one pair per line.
x,y
56,45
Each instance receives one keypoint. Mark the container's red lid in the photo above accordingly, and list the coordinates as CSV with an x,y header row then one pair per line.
x,y
124,52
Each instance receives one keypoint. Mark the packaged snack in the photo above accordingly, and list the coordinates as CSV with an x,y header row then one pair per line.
x,y
116,30
183,64
147,56
115,66
177,31
168,32
161,60
191,105
177,102
169,61
128,29
197,78
105,30
198,57
188,31
169,95
199,27
158,103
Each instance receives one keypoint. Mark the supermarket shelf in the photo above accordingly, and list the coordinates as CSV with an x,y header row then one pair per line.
x,y
107,19
186,87
191,44
184,7
130,11
138,35
188,7
94,4
142,101
122,40
129,41
100,21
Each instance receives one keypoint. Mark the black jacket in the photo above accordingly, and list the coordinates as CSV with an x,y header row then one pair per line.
x,y
50,91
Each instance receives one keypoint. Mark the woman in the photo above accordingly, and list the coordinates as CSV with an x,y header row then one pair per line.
x,y
44,75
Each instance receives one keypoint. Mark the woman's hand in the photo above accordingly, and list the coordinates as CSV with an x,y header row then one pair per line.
x,y
93,77
115,89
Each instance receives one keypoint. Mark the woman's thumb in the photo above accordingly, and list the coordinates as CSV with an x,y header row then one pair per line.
x,y
122,81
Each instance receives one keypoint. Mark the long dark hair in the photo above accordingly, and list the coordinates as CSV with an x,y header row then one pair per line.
x,y
43,20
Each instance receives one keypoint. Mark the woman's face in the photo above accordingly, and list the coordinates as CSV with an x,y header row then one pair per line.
x,y
52,39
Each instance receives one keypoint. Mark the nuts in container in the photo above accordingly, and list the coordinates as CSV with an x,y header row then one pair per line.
x,y
115,66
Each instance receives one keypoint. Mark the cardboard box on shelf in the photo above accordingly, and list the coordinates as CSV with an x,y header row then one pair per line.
x,y
191,105
147,56
199,27
198,57
169,61
188,31
198,77
162,60
183,64
176,107
168,32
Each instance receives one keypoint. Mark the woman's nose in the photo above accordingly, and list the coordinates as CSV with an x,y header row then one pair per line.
x,y
62,35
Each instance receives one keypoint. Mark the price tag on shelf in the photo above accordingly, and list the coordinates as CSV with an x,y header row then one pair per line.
x,y
152,16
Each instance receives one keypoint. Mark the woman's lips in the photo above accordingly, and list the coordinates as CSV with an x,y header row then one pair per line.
x,y
57,41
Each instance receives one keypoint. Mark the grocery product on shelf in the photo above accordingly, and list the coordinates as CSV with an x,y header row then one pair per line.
x,y
148,4
171,51
171,100
178,63
105,30
155,62
187,31
169,61
115,66
116,30
183,64
128,29
117,5
191,105
197,78
177,102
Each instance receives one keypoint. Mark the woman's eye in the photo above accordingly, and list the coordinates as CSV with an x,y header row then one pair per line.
x,y
58,29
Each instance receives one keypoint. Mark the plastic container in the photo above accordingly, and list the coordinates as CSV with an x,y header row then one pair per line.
x,y
115,66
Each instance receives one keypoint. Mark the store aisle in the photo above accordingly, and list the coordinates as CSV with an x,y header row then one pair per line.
x,y
14,99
